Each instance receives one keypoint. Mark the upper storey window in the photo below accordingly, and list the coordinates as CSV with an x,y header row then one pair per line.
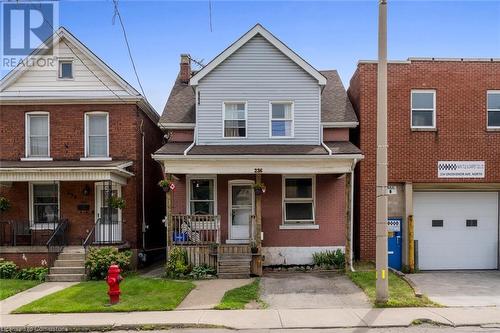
x,y
65,69
493,109
96,135
423,109
235,120
37,135
281,119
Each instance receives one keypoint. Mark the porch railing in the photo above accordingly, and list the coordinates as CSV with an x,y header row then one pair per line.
x,y
28,233
195,229
107,232
57,240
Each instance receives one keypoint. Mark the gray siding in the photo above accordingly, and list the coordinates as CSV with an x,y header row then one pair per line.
x,y
258,73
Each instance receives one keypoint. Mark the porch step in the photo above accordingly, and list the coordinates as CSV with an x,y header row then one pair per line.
x,y
71,256
69,263
65,277
234,265
67,270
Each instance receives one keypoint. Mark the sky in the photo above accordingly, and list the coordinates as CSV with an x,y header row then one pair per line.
x,y
327,34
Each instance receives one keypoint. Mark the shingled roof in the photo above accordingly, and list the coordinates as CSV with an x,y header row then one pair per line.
x,y
335,105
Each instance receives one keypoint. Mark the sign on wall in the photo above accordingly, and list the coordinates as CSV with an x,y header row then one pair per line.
x,y
461,169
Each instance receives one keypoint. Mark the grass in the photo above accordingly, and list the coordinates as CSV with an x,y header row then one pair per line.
x,y
237,298
138,294
400,292
9,287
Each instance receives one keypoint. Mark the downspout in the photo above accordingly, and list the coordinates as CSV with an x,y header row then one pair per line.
x,y
354,162
144,227
323,143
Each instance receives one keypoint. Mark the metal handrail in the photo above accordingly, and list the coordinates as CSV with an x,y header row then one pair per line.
x,y
61,228
88,240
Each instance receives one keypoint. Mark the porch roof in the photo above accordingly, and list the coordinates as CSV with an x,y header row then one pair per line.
x,y
333,157
69,170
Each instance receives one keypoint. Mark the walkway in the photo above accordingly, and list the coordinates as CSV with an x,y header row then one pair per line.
x,y
9,304
208,293
256,319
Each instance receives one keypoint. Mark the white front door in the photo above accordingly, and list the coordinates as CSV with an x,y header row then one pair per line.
x,y
108,227
241,209
456,230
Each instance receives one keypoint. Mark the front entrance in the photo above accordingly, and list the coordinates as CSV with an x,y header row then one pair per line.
x,y
241,208
108,220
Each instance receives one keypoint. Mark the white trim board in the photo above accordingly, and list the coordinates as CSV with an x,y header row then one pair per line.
x,y
258,30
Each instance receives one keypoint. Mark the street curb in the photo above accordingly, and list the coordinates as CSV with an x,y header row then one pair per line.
x,y
106,328
413,286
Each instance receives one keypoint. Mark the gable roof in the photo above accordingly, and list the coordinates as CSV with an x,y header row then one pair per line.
x,y
129,93
336,108
258,30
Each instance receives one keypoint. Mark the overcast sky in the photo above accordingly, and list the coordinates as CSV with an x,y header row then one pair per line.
x,y
328,34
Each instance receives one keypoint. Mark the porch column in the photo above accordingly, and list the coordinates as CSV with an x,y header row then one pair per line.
x,y
348,200
257,259
169,222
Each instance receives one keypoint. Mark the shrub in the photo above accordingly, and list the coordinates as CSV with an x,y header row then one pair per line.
x,y
202,272
33,273
100,258
4,204
177,264
329,259
7,269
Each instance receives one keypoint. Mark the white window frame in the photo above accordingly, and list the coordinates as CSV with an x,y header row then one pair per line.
x,y
488,110
86,131
59,72
292,119
188,190
224,120
303,224
427,91
43,226
27,135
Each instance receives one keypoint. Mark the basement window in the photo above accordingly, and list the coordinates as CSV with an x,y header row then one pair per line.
x,y
437,223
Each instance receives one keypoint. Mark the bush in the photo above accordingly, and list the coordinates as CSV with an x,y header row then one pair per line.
x,y
100,258
33,273
177,264
329,259
7,269
202,272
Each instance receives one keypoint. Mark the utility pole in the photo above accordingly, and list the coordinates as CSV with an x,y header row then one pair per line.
x,y
382,286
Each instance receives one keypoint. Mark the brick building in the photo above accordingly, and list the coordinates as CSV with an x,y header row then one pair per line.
x,y
444,159
74,138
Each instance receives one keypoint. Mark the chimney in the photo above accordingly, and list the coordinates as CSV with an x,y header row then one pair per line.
x,y
185,68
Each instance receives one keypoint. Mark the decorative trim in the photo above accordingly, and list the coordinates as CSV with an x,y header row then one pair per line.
x,y
299,227
340,124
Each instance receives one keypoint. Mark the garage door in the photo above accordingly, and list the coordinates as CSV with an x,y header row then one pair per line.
x,y
456,230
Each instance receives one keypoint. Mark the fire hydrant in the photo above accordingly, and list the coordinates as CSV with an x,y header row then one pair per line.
x,y
113,280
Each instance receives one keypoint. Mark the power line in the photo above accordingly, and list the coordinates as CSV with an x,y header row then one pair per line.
x,y
117,13
210,14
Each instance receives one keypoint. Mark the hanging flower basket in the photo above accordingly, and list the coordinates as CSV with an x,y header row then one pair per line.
x,y
167,185
259,188
117,202
4,204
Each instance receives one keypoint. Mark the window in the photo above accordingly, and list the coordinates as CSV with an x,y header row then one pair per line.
x,y
65,69
423,109
201,196
281,120
44,203
96,135
37,134
494,109
437,223
298,200
471,223
235,120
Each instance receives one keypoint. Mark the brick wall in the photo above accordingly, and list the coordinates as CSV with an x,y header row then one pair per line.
x,y
461,128
335,134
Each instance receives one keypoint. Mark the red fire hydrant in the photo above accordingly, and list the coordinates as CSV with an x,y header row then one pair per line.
x,y
113,280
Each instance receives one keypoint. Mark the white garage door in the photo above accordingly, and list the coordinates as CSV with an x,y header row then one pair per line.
x,y
456,230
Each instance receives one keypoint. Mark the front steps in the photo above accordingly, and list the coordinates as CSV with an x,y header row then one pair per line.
x,y
234,265
69,266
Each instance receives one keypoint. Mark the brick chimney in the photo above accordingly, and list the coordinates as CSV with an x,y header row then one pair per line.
x,y
185,68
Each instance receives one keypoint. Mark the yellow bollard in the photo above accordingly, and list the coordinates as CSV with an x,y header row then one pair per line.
x,y
411,244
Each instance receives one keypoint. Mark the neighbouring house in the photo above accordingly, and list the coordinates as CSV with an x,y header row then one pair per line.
x,y
256,117
444,161
76,140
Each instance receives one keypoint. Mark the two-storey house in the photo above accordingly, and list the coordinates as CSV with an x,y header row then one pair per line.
x,y
75,147
444,162
258,118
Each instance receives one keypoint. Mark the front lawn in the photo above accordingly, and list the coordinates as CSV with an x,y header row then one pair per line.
x,y
138,294
400,292
239,297
9,287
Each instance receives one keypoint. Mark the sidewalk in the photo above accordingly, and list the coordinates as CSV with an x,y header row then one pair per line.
x,y
256,319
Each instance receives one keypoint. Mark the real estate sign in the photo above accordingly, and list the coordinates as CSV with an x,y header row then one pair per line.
x,y
461,169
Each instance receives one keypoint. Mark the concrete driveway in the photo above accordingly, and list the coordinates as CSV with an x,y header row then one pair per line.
x,y
460,288
311,290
